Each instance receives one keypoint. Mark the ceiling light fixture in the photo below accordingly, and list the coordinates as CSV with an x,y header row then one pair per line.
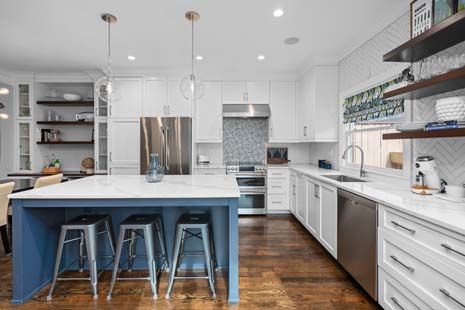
x,y
198,57
2,106
191,87
291,40
261,57
131,58
4,91
278,13
104,86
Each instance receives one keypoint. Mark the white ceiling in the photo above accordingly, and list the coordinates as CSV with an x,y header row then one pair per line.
x,y
64,36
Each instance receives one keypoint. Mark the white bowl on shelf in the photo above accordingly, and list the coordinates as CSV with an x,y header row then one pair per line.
x,y
72,97
450,109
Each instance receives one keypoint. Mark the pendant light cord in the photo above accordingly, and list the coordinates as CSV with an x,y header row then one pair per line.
x,y
192,45
109,50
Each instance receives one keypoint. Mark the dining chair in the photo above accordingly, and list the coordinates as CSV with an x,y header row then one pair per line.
x,y
48,180
5,190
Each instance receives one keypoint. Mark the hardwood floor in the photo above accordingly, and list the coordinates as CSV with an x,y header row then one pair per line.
x,y
281,267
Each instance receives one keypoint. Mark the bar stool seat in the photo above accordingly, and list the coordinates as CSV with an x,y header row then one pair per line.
x,y
140,226
87,227
184,230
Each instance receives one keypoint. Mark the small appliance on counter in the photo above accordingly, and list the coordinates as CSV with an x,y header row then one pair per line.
x,y
277,156
203,160
325,164
427,181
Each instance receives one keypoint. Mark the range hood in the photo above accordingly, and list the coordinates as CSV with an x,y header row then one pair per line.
x,y
246,110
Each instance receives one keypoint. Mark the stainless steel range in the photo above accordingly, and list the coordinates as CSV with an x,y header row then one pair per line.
x,y
251,178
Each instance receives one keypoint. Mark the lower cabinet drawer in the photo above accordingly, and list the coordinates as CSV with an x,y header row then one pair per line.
x,y
277,186
392,295
415,267
447,246
277,203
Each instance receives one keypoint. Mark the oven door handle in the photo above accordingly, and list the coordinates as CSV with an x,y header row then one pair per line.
x,y
248,176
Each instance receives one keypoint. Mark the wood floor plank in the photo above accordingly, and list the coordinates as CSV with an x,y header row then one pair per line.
x,y
281,267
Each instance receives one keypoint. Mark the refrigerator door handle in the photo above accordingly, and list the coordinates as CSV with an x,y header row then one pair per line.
x,y
167,148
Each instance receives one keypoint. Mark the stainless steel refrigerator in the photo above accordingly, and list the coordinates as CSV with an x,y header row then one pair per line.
x,y
171,139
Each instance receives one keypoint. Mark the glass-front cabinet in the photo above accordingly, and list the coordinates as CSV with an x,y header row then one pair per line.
x,y
101,146
24,100
24,155
101,106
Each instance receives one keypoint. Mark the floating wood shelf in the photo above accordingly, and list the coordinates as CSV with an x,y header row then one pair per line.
x,y
436,85
441,36
67,103
64,123
445,133
66,142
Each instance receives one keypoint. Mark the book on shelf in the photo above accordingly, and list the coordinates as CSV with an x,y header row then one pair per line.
x,y
444,125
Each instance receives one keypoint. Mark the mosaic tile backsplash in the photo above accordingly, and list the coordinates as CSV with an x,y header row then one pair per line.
x,y
244,139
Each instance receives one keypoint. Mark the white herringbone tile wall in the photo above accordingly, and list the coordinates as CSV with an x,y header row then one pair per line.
x,y
366,62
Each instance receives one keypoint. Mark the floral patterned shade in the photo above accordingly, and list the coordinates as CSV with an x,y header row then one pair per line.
x,y
370,105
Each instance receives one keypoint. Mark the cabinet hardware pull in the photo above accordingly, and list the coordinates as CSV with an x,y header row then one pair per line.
x,y
305,131
446,292
276,202
411,269
111,110
403,227
448,247
394,300
275,186
275,173
317,191
111,156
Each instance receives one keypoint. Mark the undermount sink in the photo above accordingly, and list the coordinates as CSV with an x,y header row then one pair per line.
x,y
343,178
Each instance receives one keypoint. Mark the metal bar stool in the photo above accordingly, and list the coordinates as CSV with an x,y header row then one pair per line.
x,y
87,227
184,227
140,226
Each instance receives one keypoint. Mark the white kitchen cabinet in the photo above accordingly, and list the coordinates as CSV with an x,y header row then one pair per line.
x,y
101,145
258,92
293,192
328,217
127,102
313,208
317,105
253,92
124,142
209,115
24,99
283,115
23,146
301,208
155,98
277,190
178,106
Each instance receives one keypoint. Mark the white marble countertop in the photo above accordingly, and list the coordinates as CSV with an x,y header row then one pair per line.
x,y
446,214
135,186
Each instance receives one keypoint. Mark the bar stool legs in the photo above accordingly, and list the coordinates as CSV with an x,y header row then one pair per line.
x,y
87,227
140,226
186,223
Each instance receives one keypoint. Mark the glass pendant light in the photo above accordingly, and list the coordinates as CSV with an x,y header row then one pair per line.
x,y
191,87
104,87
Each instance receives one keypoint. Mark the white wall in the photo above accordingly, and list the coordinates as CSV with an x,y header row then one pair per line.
x,y
6,133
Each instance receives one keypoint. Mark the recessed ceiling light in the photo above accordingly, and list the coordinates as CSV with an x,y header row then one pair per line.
x,y
261,57
291,40
198,57
278,13
4,91
131,58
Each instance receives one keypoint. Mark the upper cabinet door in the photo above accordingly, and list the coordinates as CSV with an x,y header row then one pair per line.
x,y
209,115
258,92
155,98
304,108
282,104
128,98
234,92
177,104
127,152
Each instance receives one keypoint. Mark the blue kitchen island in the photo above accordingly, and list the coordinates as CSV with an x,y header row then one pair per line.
x,y
38,214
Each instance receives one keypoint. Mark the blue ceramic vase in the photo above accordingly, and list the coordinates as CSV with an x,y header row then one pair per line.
x,y
154,172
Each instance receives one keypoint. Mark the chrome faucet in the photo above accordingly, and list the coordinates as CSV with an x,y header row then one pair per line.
x,y
344,155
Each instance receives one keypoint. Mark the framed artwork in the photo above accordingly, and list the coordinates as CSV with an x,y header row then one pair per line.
x,y
443,9
421,16
460,5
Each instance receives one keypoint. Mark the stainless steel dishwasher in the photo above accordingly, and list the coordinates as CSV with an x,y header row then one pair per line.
x,y
356,239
